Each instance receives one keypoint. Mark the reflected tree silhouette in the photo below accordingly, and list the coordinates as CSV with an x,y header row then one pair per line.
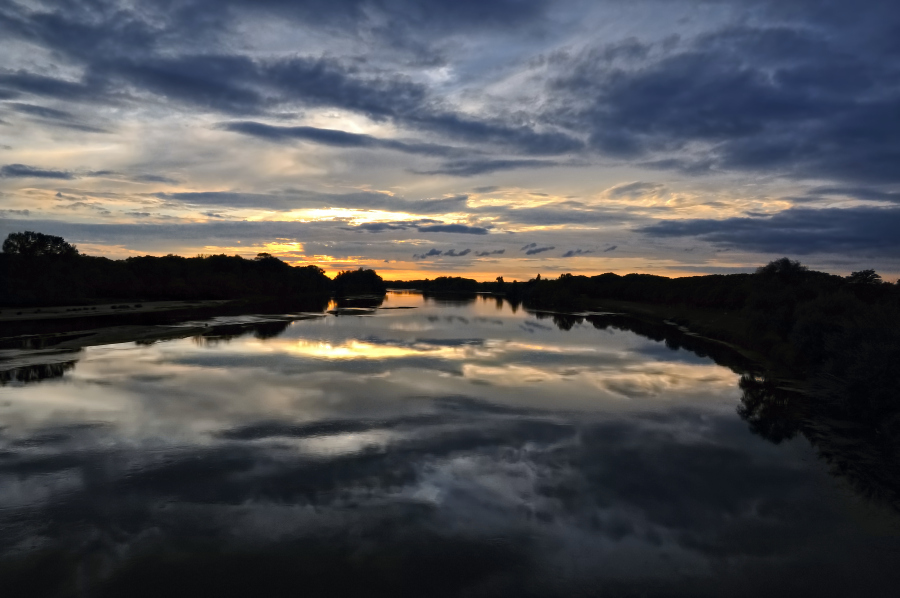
x,y
225,334
364,302
451,299
853,422
36,373
770,411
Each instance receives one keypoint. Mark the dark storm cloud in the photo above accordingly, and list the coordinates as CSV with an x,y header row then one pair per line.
x,y
119,46
122,49
237,84
497,131
798,231
51,87
22,171
787,99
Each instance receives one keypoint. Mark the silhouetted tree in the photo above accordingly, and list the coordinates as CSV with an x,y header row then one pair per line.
x,y
864,277
362,281
32,244
783,267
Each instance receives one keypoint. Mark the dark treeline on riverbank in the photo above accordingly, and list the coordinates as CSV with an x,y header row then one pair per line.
x,y
37,269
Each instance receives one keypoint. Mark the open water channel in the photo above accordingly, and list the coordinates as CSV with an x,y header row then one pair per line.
x,y
418,447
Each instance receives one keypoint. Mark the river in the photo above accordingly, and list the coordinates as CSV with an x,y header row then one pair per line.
x,y
417,447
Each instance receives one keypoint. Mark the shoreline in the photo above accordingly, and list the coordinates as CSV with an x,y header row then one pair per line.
x,y
149,321
59,312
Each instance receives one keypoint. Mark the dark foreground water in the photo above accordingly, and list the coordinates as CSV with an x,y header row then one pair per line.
x,y
458,448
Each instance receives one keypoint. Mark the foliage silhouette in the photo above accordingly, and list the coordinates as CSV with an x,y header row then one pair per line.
x,y
864,277
358,282
32,244
38,269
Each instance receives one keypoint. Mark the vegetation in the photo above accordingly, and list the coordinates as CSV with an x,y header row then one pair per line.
x,y
358,282
442,284
38,269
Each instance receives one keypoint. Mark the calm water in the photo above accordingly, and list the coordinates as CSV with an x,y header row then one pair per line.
x,y
455,448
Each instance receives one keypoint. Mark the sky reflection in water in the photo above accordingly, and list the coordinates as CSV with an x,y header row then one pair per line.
x,y
452,448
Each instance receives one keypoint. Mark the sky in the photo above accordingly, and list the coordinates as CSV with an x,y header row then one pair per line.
x,y
475,138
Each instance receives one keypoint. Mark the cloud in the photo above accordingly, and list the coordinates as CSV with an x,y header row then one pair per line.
x,y
41,111
22,171
782,98
453,228
55,117
485,89
465,168
452,253
336,138
433,252
611,248
577,252
632,190
487,253
422,226
533,249
857,193
795,231
380,227
154,178
131,52
291,199
41,85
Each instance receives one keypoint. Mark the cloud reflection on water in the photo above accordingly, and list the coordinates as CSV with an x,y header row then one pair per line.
x,y
483,459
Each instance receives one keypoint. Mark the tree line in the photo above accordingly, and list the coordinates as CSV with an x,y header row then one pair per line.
x,y
38,269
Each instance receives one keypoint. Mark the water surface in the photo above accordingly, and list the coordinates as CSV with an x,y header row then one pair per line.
x,y
454,448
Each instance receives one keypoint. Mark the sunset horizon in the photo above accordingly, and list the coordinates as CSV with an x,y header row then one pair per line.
x,y
481,139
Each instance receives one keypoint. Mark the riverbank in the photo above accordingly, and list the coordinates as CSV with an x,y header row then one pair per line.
x,y
29,314
713,325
